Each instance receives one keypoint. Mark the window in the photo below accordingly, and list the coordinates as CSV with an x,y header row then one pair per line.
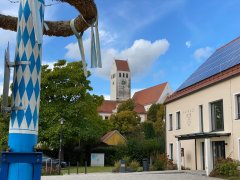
x,y
178,120
239,149
126,75
170,122
237,106
119,74
123,74
113,75
201,118
217,116
106,117
171,151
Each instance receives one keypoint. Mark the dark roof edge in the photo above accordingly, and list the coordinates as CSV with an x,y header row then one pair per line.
x,y
215,79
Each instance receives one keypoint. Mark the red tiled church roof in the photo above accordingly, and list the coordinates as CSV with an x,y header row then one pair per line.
x,y
150,95
107,106
122,65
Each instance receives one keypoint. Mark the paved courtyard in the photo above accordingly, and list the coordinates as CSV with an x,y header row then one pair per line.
x,y
133,176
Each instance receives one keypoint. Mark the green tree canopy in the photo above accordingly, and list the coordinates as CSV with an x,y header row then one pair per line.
x,y
125,121
127,105
65,94
148,129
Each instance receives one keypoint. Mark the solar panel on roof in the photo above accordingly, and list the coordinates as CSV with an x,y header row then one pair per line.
x,y
221,60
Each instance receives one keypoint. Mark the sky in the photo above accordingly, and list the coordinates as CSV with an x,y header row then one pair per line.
x,y
163,40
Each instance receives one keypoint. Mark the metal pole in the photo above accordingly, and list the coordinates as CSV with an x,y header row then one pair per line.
x,y
23,128
77,167
85,167
69,167
60,148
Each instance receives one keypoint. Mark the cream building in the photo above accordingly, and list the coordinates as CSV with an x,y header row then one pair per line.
x,y
203,115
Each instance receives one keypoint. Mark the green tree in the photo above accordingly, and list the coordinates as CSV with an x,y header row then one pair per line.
x,y
125,122
127,105
156,114
65,94
148,128
4,127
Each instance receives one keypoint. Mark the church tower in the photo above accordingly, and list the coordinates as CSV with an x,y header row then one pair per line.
x,y
120,81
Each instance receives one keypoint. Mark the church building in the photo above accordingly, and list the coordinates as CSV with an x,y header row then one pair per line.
x,y
120,80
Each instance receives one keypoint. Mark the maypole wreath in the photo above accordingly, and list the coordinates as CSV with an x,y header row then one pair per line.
x,y
86,8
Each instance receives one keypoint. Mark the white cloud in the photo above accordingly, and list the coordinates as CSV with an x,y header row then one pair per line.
x,y
188,44
202,53
141,55
50,64
106,97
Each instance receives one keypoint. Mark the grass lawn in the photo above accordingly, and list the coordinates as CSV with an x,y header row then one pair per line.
x,y
89,170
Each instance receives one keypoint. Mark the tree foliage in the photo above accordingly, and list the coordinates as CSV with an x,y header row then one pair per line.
x,y
127,105
148,129
125,121
65,94
156,114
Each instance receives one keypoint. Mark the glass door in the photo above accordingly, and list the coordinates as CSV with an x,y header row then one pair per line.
x,y
218,150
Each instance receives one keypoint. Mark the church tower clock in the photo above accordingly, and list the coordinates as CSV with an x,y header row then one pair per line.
x,y
120,80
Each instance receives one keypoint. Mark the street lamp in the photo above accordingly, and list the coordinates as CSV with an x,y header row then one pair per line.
x,y
60,147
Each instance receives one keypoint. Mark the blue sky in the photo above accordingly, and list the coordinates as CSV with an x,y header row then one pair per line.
x,y
163,40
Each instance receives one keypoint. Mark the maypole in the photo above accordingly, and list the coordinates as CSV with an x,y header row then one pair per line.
x,y
23,129
21,162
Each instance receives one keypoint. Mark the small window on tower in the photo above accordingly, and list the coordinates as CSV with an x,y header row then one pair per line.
x,y
119,74
113,75
123,75
126,75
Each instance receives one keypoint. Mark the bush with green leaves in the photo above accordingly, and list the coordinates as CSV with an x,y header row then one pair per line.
x,y
134,165
226,168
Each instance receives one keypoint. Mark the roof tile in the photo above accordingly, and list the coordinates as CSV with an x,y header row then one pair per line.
x,y
150,95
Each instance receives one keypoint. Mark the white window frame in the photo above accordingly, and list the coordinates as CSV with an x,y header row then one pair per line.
x,y
201,123
170,152
210,115
170,128
178,120
235,109
238,148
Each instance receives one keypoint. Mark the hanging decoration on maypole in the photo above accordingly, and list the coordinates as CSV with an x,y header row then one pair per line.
x,y
96,61
21,162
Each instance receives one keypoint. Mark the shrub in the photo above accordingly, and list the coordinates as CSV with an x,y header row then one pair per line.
x,y
134,165
117,165
161,162
226,168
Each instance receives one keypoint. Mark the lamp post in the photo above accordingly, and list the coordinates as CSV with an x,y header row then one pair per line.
x,y
60,146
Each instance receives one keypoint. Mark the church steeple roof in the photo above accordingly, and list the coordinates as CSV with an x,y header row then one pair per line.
x,y
122,65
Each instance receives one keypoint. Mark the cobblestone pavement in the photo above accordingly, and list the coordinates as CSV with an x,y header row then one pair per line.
x,y
166,175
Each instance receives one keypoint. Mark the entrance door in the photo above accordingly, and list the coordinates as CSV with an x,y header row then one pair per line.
x,y
203,155
218,149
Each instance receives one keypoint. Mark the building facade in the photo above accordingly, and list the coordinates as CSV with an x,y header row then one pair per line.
x,y
203,115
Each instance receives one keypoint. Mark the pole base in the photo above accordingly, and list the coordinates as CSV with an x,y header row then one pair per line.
x,y
34,159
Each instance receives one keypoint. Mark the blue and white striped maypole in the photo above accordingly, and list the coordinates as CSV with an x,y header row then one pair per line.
x,y
23,130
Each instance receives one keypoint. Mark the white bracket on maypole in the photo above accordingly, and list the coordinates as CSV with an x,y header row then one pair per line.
x,y
6,83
